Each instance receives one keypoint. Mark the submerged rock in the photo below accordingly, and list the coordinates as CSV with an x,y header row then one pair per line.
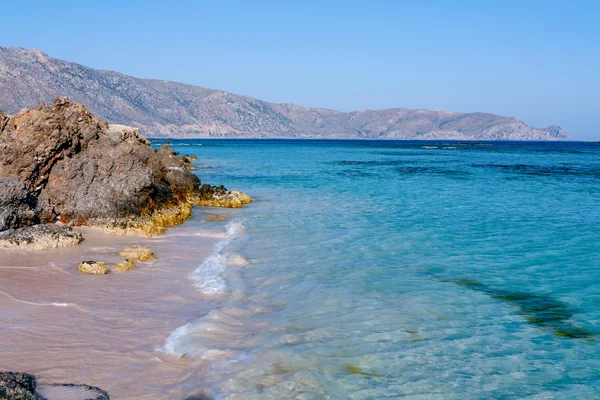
x,y
93,267
125,266
217,217
218,196
39,237
139,253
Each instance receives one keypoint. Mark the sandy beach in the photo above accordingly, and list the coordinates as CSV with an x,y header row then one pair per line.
x,y
64,326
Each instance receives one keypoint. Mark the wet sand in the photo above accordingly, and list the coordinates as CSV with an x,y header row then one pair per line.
x,y
108,332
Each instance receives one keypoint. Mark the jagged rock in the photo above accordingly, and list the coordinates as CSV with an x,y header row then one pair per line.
x,y
3,120
93,267
60,160
188,162
39,237
139,253
218,196
19,207
124,266
17,386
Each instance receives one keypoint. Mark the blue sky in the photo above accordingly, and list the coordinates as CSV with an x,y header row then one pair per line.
x,y
535,60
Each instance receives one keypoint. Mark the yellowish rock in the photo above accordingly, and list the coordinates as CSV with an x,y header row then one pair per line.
x,y
93,267
232,199
125,266
139,253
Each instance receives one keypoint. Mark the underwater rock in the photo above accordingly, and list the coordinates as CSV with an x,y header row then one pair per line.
x,y
124,266
218,196
40,237
93,267
235,260
138,253
217,218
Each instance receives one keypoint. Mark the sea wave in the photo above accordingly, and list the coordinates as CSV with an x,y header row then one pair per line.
x,y
208,277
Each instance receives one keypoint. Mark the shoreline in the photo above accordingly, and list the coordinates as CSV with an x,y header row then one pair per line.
x,y
104,330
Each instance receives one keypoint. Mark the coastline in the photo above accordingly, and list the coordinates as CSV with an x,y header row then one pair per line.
x,y
104,330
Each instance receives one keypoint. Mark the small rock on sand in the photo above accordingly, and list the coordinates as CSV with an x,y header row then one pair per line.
x,y
125,266
93,267
139,253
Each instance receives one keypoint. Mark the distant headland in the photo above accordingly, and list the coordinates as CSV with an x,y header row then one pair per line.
x,y
170,109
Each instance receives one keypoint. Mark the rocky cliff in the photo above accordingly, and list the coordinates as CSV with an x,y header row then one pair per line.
x,y
169,109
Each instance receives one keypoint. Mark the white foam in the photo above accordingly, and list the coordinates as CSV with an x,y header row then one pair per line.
x,y
212,335
34,303
208,276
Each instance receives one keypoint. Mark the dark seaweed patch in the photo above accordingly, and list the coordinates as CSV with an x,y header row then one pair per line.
x,y
420,154
374,163
416,170
353,173
539,170
540,310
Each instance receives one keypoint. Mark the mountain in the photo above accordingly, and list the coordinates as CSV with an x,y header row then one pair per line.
x,y
171,109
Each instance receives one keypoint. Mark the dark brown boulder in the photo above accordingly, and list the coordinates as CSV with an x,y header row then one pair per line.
x,y
59,162
63,162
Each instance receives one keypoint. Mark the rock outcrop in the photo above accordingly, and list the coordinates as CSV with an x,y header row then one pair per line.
x,y
138,253
21,386
218,196
59,162
39,237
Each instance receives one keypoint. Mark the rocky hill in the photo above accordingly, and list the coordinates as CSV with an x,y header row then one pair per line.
x,y
170,109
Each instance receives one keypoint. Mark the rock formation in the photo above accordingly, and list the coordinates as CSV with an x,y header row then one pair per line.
x,y
39,237
170,109
59,162
138,253
124,266
218,196
93,267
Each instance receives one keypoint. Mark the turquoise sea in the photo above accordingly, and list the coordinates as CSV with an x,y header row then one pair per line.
x,y
414,270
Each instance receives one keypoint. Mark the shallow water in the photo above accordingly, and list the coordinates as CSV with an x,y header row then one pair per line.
x,y
386,269
363,270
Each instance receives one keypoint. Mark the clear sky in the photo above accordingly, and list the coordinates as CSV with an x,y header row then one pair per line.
x,y
536,60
